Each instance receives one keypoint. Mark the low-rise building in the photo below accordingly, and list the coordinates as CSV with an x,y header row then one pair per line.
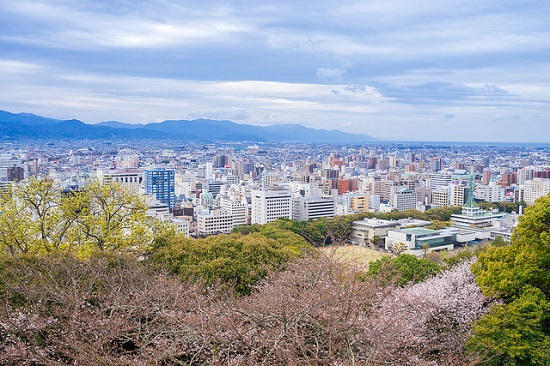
x,y
367,230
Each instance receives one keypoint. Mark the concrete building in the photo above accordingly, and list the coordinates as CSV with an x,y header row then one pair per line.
x,y
237,208
411,240
309,208
160,182
269,205
403,199
214,222
359,203
364,231
439,180
490,193
475,216
535,188
130,178
440,197
457,194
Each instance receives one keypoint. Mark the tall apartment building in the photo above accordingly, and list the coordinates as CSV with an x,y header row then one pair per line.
x,y
486,178
490,193
347,185
535,188
436,164
525,174
269,205
402,198
308,208
160,182
236,208
440,197
440,180
359,203
457,194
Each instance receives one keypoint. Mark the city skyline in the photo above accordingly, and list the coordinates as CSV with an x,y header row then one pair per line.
x,y
445,71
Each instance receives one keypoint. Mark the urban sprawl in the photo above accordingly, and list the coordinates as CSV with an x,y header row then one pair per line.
x,y
206,189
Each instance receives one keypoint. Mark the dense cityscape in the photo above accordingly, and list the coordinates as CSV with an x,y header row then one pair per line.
x,y
211,188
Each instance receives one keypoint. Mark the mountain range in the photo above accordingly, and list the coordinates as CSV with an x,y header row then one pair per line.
x,y
30,126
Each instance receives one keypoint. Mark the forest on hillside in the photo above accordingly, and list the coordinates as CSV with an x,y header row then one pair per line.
x,y
83,283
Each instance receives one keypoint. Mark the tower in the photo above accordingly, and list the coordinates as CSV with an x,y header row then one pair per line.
x,y
161,183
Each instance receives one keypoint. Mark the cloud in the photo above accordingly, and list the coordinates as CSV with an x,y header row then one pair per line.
x,y
380,66
330,74
439,92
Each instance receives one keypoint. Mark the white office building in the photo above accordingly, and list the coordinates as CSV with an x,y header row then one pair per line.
x,y
269,205
307,208
402,199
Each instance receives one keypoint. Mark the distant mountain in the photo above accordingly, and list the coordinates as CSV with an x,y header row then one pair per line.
x,y
26,125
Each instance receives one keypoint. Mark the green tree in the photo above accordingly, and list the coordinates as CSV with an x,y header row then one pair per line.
x,y
32,218
519,275
110,218
36,217
238,260
402,269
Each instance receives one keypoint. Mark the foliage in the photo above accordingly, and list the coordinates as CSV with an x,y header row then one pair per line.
x,y
112,310
106,310
109,218
32,218
441,213
438,225
240,260
430,320
402,269
36,218
517,331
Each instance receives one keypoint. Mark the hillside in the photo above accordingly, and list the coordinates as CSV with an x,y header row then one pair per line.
x,y
30,126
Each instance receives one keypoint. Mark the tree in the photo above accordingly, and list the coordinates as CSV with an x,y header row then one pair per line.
x,y
110,218
425,248
402,269
37,217
32,218
518,331
237,260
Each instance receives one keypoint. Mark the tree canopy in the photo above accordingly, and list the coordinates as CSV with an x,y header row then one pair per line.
x,y
517,332
36,217
238,260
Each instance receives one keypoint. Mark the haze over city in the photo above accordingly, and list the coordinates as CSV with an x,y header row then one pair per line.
x,y
428,71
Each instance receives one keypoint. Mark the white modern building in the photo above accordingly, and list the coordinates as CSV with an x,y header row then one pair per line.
x,y
309,208
214,222
402,198
364,231
237,208
270,205
490,193
535,188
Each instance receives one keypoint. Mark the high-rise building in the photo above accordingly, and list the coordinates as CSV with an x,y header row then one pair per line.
x,y
269,205
15,174
486,178
160,182
402,198
435,164
457,194
308,208
440,197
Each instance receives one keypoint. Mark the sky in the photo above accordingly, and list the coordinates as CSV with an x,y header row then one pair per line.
x,y
423,70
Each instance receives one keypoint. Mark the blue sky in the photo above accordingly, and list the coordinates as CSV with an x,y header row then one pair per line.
x,y
460,70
